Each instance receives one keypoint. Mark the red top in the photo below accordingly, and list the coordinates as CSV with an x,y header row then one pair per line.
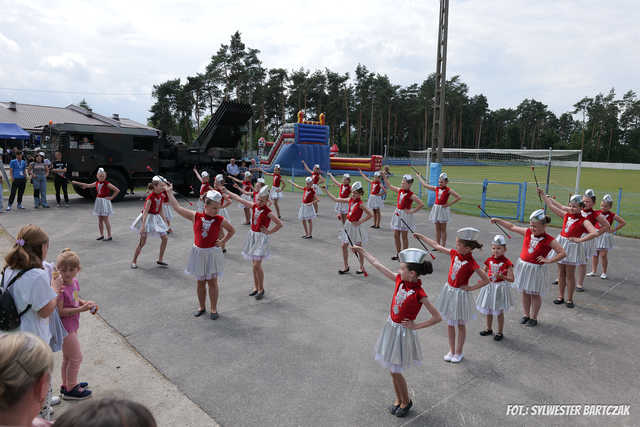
x,y
535,246
155,200
254,196
406,300
497,265
355,210
316,177
308,195
609,216
204,188
165,197
260,218
461,269
246,185
103,189
573,225
206,230
591,215
442,195
345,190
276,180
404,199
375,187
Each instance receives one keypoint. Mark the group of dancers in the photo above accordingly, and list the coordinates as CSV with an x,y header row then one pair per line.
x,y
585,238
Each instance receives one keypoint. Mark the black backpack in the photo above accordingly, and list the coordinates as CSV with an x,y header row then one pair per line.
x,y
9,316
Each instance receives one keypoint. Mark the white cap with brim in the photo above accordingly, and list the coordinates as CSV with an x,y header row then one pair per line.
x,y
346,175
247,174
576,198
264,192
308,180
219,177
498,239
276,167
607,198
156,179
100,170
538,215
41,154
260,180
356,186
376,173
204,174
590,193
468,233
412,256
316,166
407,177
444,175
214,195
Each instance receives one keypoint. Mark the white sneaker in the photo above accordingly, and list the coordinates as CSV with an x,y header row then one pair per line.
x,y
603,276
448,357
134,265
457,358
55,400
591,274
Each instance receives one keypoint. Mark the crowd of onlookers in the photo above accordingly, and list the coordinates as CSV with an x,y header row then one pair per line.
x,y
35,169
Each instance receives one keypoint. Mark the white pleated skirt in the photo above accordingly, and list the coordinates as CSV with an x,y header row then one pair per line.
x,y
531,278
396,224
248,199
307,211
455,305
155,225
589,250
356,232
494,298
575,252
275,194
205,263
397,347
102,207
604,241
167,210
342,208
440,213
257,246
317,189
375,202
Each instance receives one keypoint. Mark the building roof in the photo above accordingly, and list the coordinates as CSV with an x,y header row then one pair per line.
x,y
34,117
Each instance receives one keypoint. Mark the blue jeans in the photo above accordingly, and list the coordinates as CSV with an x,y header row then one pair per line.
x,y
40,190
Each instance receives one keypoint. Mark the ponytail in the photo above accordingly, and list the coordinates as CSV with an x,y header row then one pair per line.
x,y
420,268
26,252
472,244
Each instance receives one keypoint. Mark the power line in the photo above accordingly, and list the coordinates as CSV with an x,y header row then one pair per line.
x,y
70,92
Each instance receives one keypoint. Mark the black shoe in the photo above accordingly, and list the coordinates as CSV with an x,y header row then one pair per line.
x,y
395,258
224,251
532,322
498,337
570,304
579,288
558,301
402,412
162,264
524,320
486,332
393,409
359,272
108,239
555,282
260,295
100,238
253,293
199,313
345,271
213,316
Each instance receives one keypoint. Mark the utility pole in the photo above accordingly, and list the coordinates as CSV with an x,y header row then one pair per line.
x,y
438,128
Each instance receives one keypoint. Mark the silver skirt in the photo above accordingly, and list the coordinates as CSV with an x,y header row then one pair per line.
x,y
205,263
589,250
375,202
356,232
155,225
455,305
317,189
257,246
307,211
531,278
102,207
575,252
494,298
440,213
604,241
396,224
275,194
342,208
248,199
167,210
398,348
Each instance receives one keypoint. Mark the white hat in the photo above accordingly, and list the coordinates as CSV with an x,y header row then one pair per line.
x,y
264,192
260,180
498,239
356,186
316,166
576,198
308,179
204,174
219,177
100,170
468,233
41,154
376,173
407,177
412,256
444,175
607,198
589,193
214,195
346,175
276,167
247,174
156,178
538,215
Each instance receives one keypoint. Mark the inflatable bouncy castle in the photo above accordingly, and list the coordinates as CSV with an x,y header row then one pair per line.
x,y
309,141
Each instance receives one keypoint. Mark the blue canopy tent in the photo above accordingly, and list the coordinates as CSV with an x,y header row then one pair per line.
x,y
13,131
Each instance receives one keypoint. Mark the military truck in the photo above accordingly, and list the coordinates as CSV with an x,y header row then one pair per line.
x,y
132,155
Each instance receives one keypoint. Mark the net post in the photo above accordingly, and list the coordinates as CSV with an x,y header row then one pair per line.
x,y
546,186
578,172
427,170
484,195
619,207
523,200
293,178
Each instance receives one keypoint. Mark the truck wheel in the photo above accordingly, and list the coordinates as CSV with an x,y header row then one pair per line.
x,y
116,178
87,193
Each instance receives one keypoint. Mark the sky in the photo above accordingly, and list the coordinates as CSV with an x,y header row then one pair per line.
x,y
112,53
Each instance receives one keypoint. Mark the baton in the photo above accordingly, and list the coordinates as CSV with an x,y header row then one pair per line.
x,y
412,232
497,225
356,253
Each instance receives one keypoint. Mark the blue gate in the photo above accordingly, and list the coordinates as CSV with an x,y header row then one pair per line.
x,y
519,202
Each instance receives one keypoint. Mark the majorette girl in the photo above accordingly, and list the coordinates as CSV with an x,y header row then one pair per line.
x,y
402,218
454,302
441,211
151,221
247,191
344,190
594,217
204,187
167,209
375,201
252,195
355,209
276,188
206,261
257,247
105,193
574,225
495,298
398,347
307,211
531,272
317,179
605,242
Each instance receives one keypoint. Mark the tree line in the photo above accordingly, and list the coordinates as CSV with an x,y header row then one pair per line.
x,y
367,112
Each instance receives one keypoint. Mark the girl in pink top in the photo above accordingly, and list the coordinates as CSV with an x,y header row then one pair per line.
x,y
70,306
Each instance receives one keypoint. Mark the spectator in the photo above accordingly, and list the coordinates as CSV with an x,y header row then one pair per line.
x,y
19,174
232,168
108,412
25,373
256,171
243,168
39,172
60,180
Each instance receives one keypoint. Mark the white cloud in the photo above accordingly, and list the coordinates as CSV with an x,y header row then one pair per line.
x,y
7,43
